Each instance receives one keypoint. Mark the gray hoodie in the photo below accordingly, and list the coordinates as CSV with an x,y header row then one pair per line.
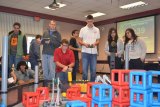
x,y
34,50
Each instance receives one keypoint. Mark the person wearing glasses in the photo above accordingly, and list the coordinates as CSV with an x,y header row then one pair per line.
x,y
137,49
65,60
17,45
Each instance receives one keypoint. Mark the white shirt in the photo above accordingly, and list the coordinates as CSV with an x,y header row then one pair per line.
x,y
137,49
89,36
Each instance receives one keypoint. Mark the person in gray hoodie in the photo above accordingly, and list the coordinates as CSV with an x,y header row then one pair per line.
x,y
34,51
51,40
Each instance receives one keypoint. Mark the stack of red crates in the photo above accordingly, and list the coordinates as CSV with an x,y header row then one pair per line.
x,y
120,88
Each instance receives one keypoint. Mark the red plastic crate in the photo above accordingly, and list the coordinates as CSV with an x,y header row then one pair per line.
x,y
120,94
121,77
116,104
30,99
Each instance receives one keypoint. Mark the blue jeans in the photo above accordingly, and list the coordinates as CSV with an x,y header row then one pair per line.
x,y
158,78
75,69
63,77
14,60
33,62
89,60
48,66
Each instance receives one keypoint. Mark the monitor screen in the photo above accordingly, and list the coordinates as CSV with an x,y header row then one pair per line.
x,y
143,27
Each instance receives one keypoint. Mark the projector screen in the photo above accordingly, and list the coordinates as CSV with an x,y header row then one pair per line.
x,y
143,27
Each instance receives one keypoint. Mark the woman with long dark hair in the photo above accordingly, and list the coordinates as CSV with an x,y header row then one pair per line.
x,y
137,49
114,49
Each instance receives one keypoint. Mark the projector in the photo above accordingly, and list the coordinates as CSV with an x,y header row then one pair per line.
x,y
54,6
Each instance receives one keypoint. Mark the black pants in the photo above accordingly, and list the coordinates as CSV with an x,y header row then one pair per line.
x,y
118,62
136,64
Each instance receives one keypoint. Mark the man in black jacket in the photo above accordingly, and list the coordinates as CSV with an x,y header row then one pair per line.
x,y
51,40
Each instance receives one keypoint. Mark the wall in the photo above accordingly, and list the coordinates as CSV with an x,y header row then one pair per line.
x,y
64,28
28,25
104,31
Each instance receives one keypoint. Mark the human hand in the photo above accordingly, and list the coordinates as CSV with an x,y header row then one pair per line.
x,y
70,69
94,45
65,69
47,42
79,50
21,82
116,54
142,59
86,45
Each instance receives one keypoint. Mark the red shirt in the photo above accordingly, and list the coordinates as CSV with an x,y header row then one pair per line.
x,y
64,58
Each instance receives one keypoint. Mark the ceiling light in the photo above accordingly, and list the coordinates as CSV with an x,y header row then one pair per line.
x,y
55,6
132,5
97,14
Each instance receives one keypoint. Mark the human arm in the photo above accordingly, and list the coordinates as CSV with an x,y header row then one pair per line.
x,y
31,73
73,44
24,45
14,76
56,39
36,51
81,34
143,49
45,38
120,51
106,49
98,38
96,43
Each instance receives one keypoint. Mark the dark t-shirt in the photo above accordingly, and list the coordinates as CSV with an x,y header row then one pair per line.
x,y
13,44
113,47
74,44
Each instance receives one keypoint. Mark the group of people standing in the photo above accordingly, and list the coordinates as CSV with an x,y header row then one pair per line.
x,y
137,49
60,56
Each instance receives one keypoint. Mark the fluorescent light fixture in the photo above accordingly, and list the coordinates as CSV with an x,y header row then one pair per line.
x,y
132,5
60,6
97,14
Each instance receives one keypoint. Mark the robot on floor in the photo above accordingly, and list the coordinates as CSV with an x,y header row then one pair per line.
x,y
104,79
54,102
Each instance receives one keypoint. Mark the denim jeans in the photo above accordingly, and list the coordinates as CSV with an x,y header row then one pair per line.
x,y
75,69
89,60
14,60
33,62
63,77
158,78
48,66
